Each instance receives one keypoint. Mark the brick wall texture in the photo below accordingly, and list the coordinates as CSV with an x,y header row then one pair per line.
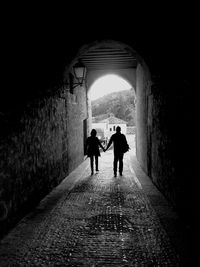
x,y
39,156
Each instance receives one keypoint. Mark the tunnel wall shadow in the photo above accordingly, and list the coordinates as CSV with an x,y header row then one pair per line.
x,y
162,141
44,145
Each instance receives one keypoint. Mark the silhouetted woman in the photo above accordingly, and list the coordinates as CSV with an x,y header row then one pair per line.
x,y
92,148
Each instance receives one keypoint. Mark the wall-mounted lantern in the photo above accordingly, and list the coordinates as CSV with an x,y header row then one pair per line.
x,y
79,70
77,76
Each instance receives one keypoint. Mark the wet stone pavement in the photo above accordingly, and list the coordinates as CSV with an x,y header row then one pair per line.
x,y
97,220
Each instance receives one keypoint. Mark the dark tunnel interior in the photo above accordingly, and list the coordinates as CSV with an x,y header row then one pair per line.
x,y
38,46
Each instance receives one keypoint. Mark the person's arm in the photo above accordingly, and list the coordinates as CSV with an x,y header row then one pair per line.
x,y
126,140
126,143
101,145
110,142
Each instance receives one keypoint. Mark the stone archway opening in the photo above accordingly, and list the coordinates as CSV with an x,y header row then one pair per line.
x,y
48,143
113,104
109,56
157,126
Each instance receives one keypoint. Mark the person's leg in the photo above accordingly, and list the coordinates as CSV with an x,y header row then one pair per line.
x,y
92,164
121,163
96,162
115,164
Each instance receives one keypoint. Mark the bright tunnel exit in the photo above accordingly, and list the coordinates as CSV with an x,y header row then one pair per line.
x,y
107,84
113,104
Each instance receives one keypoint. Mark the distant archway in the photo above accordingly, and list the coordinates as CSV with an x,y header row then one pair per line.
x,y
107,84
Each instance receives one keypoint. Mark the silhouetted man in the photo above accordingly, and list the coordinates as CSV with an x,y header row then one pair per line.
x,y
120,146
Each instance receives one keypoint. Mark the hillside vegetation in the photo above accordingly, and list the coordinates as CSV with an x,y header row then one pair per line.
x,y
121,104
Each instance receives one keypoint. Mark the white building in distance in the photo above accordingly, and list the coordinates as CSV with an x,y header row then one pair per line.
x,y
107,126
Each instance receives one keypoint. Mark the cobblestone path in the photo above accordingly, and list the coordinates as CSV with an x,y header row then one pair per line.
x,y
97,220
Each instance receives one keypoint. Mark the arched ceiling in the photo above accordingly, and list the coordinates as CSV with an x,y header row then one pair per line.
x,y
108,55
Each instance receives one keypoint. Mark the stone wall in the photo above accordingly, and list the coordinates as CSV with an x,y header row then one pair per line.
x,y
161,139
131,130
143,85
77,113
46,147
168,150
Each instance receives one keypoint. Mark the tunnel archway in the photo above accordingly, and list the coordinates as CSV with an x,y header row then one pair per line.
x,y
156,140
49,143
110,56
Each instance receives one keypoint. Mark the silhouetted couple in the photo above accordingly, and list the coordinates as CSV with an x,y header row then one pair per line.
x,y
120,147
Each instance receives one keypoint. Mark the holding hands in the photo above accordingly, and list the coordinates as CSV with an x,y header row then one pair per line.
x,y
104,149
